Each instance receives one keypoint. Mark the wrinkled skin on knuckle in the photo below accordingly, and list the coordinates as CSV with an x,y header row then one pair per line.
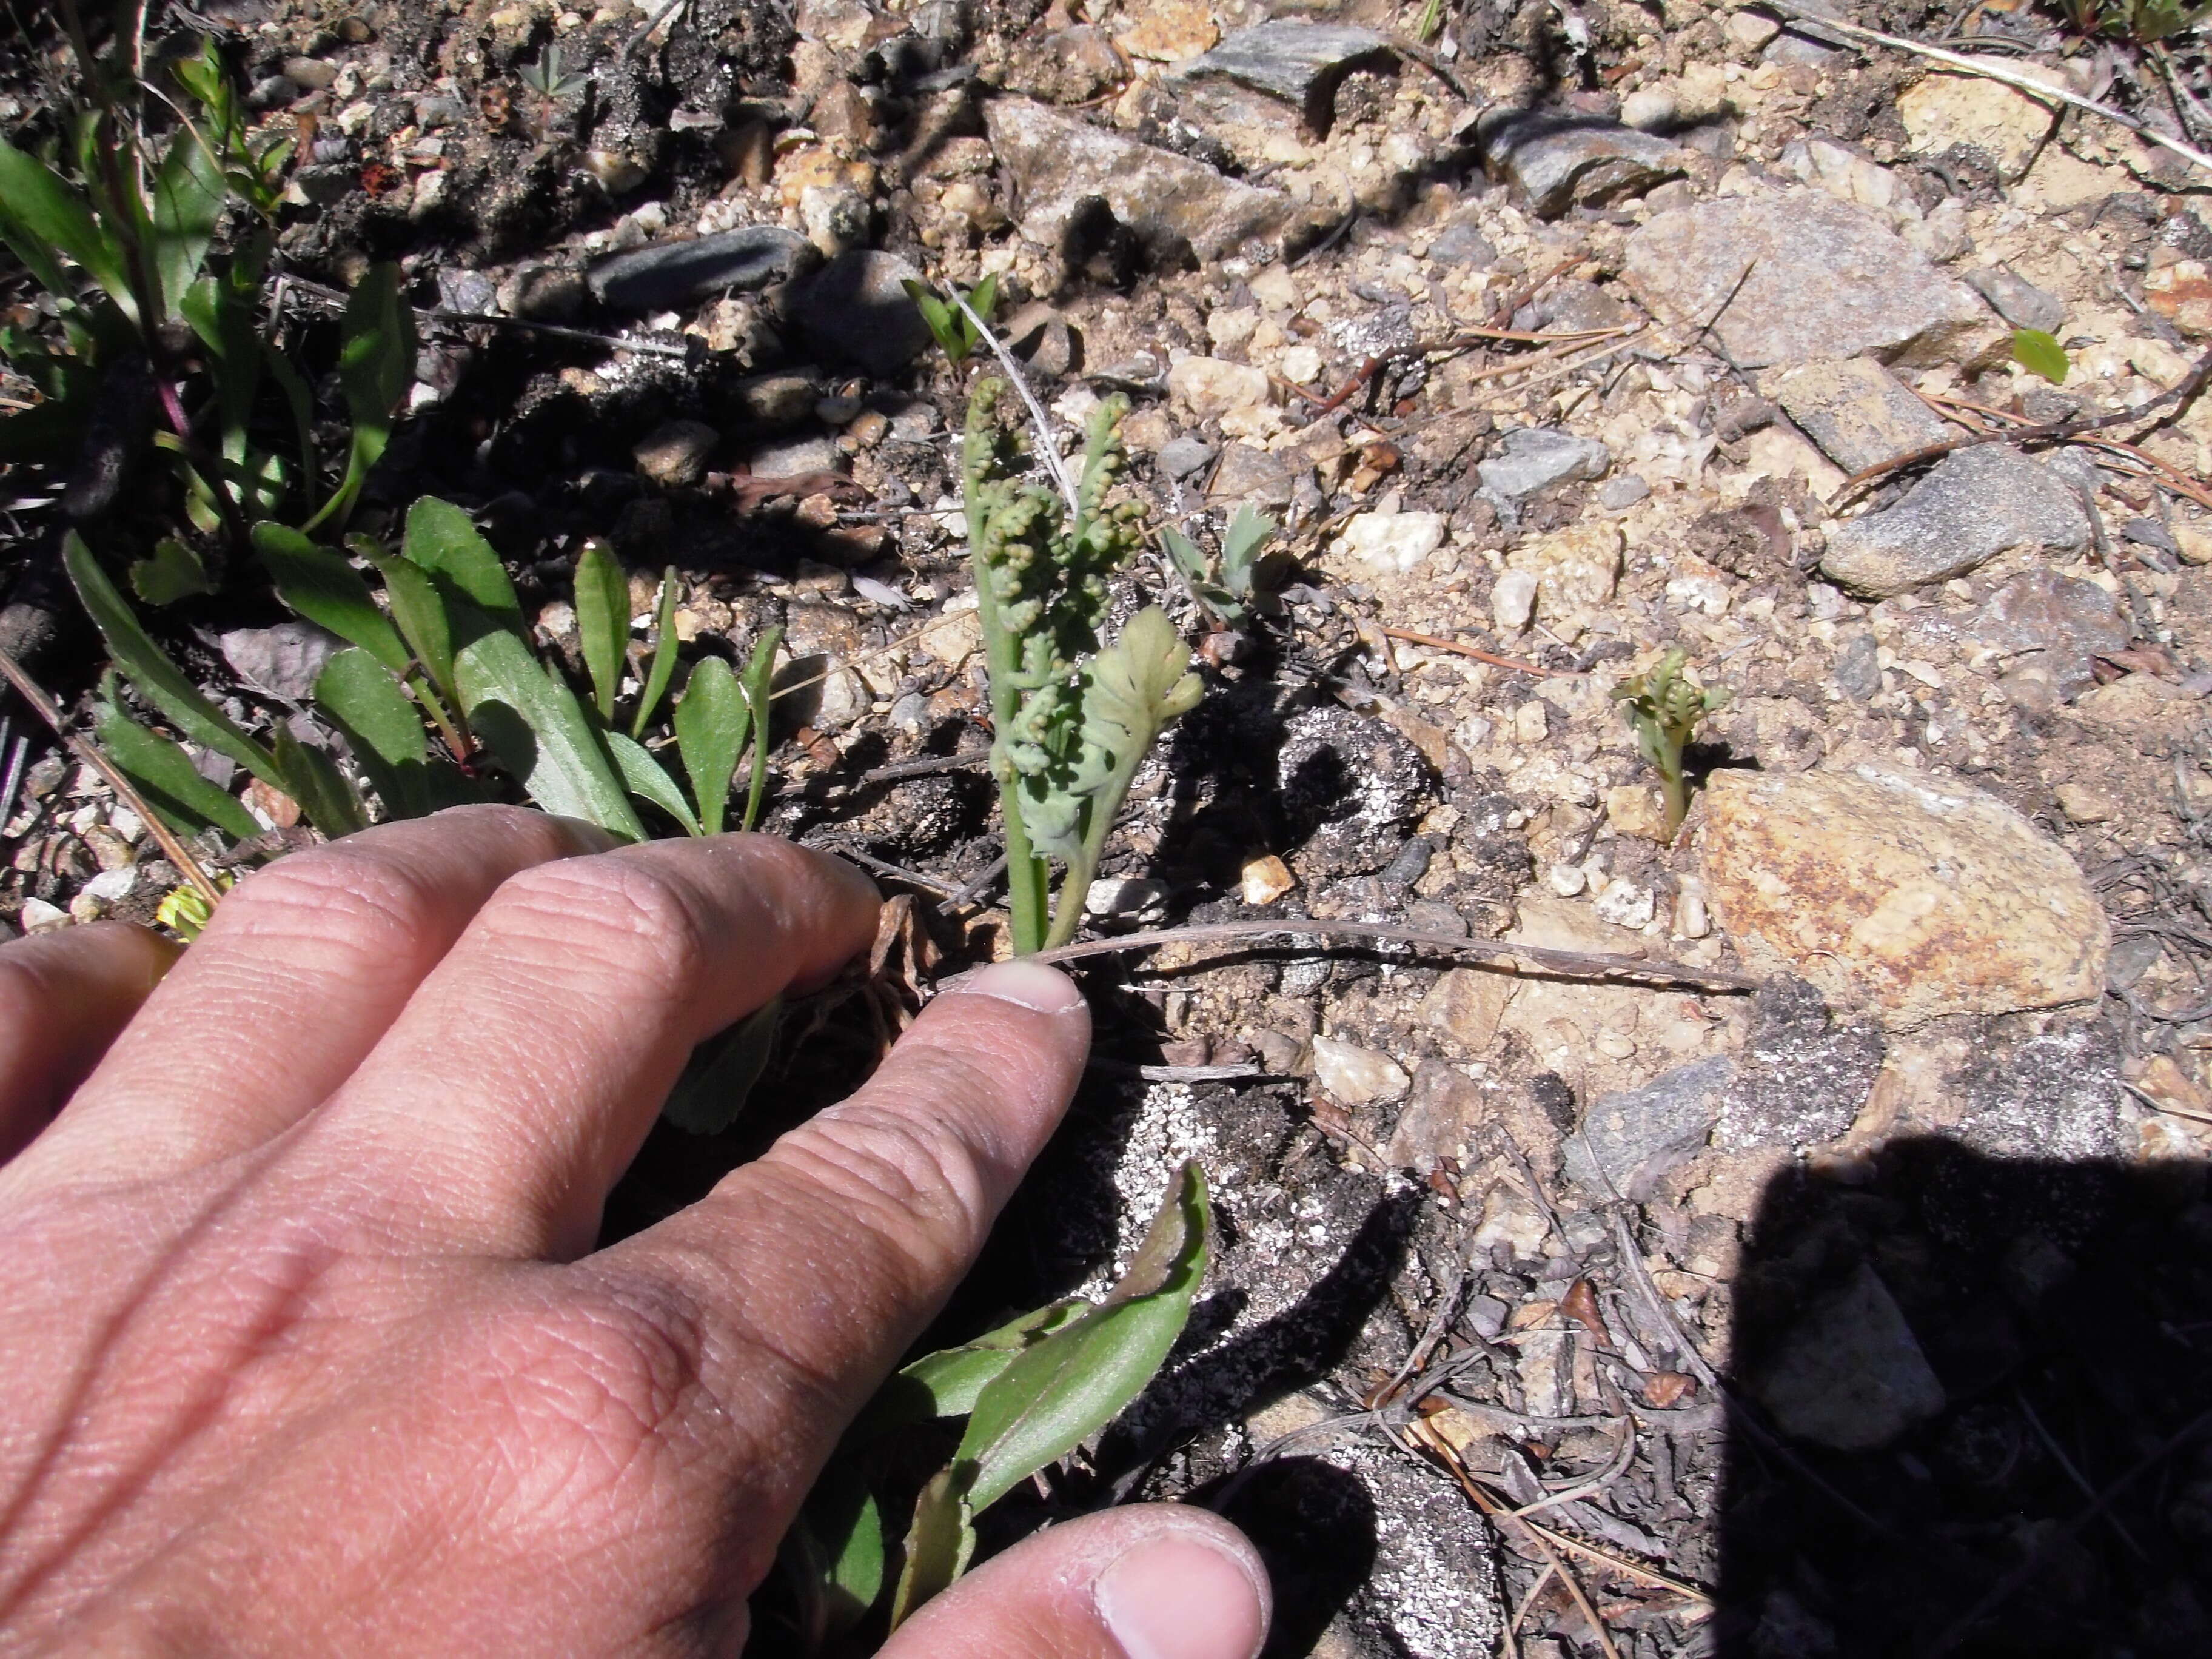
x,y
621,921
335,893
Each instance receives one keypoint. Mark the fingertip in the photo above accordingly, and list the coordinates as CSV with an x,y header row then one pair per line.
x,y
1184,1594
1031,984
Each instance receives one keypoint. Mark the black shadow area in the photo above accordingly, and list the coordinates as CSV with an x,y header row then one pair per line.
x,y
1979,1405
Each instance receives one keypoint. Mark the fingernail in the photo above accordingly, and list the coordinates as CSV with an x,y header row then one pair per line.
x,y
1029,984
1178,1597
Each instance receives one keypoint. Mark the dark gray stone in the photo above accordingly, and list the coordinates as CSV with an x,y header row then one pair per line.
x,y
1799,1081
1559,160
670,274
1850,1374
1971,508
855,307
1531,459
471,291
1461,242
1616,494
1628,1142
1858,667
1298,60
2066,620
1179,457
1857,411
2018,300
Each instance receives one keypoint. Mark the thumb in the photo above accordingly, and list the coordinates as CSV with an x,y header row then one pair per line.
x,y
1149,1581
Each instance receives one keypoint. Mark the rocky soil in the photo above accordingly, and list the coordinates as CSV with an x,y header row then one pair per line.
x,y
1857,1313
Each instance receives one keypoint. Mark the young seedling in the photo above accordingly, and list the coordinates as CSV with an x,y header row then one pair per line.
x,y
551,79
1072,721
954,331
1232,591
1664,707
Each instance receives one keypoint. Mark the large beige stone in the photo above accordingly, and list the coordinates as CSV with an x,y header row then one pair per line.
x,y
1575,570
1917,898
1944,108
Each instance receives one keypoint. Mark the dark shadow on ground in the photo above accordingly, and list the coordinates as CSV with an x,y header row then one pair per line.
x,y
1979,1416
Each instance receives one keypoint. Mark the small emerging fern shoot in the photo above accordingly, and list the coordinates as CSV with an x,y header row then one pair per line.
x,y
1663,708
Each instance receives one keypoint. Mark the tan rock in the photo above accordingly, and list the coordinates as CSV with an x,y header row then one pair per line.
x,y
1918,899
2085,803
1465,1004
2061,181
1357,1076
1944,108
1855,409
2149,712
1267,879
1576,571
953,637
2182,294
1169,31
1210,386
1636,809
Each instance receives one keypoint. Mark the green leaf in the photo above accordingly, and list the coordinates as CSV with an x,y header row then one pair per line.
x,y
646,778
302,405
531,720
376,366
664,655
419,610
2040,353
441,540
188,198
322,587
834,1556
722,1073
41,215
1185,555
938,1545
312,778
603,621
711,724
166,778
983,298
1059,1393
1248,533
162,682
760,677
947,1382
172,572
359,695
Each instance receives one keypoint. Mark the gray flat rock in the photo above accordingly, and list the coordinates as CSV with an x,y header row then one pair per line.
x,y
1058,162
856,308
1856,411
1797,276
2018,300
2066,620
672,273
280,661
1560,160
1627,1142
1298,60
1971,508
1850,1375
1530,458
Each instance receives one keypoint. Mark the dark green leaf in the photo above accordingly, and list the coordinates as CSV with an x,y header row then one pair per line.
x,y
1059,1393
166,778
41,215
722,1073
376,366
834,1556
760,677
172,572
664,655
1240,543
532,720
938,1546
322,587
419,610
983,298
441,540
711,723
947,1383
163,683
603,621
188,197
359,695
1184,553
312,778
2040,353
302,405
646,778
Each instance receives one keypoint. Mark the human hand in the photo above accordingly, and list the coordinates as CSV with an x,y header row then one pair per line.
x,y
304,1347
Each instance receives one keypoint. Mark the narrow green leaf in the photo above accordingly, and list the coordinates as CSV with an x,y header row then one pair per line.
x,y
983,298
664,655
441,540
166,778
532,722
711,723
302,405
172,572
947,1382
150,669
834,1556
326,797
40,215
603,620
722,1073
376,366
760,677
419,610
358,694
938,1545
188,197
646,778
1184,554
1248,533
2040,353
1060,1392
328,591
